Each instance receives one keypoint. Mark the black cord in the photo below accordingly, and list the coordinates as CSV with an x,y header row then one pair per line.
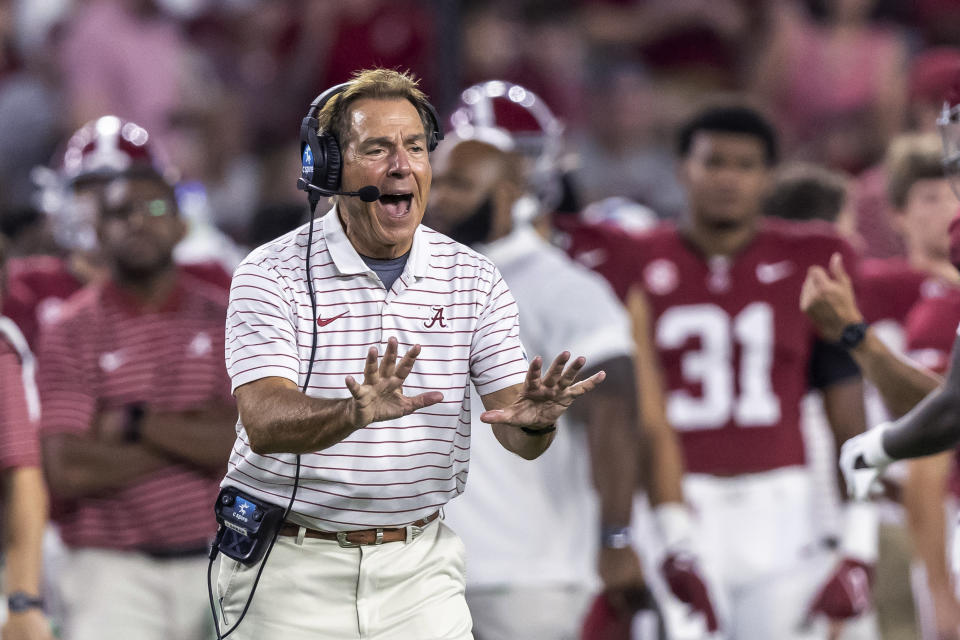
x,y
314,199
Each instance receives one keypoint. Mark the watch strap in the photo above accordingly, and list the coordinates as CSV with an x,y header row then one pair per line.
x,y
18,602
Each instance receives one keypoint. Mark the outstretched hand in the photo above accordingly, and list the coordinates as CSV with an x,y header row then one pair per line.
x,y
542,401
380,396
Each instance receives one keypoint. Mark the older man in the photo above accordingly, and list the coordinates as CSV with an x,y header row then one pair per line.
x,y
364,467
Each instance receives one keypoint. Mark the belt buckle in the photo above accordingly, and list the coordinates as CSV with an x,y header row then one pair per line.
x,y
343,542
346,544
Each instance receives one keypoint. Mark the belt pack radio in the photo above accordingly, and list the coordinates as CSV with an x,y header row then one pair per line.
x,y
247,525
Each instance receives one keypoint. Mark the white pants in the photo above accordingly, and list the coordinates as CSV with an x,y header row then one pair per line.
x,y
119,595
758,545
530,613
320,591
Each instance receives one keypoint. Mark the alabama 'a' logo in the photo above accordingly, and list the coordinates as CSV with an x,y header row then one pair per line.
x,y
436,319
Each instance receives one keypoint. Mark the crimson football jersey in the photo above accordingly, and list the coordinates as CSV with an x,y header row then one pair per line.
x,y
737,353
931,331
36,287
931,327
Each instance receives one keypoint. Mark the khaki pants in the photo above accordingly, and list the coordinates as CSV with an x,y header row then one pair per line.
x,y
120,595
318,590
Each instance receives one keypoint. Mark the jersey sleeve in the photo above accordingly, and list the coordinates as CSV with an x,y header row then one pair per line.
x,y
497,358
64,377
931,328
261,336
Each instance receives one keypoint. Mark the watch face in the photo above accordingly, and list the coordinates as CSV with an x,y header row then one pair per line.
x,y
853,335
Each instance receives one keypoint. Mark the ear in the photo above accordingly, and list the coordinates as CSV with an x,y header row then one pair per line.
x,y
504,195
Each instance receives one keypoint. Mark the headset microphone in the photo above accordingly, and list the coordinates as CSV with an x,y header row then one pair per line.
x,y
368,193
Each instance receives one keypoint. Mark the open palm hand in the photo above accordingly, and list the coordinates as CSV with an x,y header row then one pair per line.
x,y
380,396
543,400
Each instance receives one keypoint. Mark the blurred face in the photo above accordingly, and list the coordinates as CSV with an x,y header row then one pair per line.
x,y
926,216
386,147
465,183
725,175
139,226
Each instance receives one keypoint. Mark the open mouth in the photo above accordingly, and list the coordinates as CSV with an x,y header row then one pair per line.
x,y
396,204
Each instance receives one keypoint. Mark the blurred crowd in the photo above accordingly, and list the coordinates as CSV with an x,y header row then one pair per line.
x,y
222,84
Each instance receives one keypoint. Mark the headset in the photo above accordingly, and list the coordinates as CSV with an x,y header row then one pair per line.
x,y
322,160
320,176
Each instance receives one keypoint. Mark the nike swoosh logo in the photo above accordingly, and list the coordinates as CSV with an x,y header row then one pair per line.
x,y
771,272
323,323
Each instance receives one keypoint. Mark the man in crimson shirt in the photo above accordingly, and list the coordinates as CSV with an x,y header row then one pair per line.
x,y
137,426
25,496
737,356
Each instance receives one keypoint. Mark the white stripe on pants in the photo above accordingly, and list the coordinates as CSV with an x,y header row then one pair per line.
x,y
119,595
319,590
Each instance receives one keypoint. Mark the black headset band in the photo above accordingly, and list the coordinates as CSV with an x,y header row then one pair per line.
x,y
321,101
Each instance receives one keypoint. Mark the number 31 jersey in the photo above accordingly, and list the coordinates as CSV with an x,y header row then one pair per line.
x,y
737,353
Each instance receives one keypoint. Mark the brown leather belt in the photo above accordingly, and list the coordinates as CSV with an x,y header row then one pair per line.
x,y
363,536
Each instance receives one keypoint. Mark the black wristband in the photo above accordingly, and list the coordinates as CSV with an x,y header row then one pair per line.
x,y
539,432
133,427
18,602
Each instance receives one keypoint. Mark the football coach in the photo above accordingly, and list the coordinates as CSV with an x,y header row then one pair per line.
x,y
353,345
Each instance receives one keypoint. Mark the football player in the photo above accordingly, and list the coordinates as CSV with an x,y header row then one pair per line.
x,y
483,197
720,292
920,194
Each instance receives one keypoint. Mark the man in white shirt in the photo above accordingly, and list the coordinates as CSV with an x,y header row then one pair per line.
x,y
533,559
364,466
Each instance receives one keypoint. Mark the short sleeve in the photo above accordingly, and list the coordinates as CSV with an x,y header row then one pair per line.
x,y
19,412
931,330
497,359
261,337
65,380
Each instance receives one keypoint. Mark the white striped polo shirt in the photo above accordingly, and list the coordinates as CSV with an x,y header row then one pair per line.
x,y
449,299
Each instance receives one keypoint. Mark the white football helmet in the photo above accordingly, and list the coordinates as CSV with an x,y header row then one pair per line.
x,y
513,118
99,151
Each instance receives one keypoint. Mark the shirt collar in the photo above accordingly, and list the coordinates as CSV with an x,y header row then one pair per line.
x,y
348,261
522,241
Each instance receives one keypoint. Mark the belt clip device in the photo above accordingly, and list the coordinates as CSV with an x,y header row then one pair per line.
x,y
247,525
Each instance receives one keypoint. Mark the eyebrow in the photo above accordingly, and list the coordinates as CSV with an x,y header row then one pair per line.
x,y
388,141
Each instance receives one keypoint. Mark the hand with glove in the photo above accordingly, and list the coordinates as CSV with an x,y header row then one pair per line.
x,y
862,460
847,591
680,568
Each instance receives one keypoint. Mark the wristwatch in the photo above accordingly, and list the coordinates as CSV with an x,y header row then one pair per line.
x,y
853,335
133,426
615,537
18,602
